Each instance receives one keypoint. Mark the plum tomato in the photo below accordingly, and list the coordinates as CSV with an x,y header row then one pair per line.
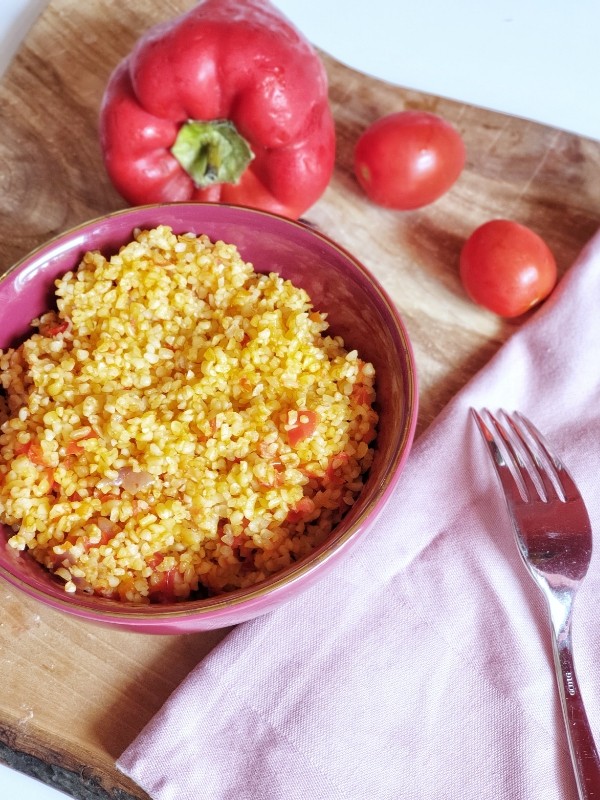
x,y
408,159
507,268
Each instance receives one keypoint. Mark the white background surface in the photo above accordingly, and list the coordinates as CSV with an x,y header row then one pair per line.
x,y
537,59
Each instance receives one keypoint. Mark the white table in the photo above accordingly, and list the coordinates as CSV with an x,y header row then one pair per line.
x,y
533,58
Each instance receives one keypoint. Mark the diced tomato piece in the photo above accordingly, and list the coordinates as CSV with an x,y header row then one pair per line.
x,y
104,498
164,590
303,508
361,395
279,468
277,479
54,328
155,560
74,448
106,535
68,461
305,426
33,451
293,516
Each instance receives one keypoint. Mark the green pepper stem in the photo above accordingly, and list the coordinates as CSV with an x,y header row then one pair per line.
x,y
212,152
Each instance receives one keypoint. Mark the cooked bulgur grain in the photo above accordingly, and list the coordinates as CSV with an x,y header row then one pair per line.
x,y
181,425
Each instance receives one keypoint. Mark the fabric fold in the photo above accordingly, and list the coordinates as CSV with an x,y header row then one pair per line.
x,y
421,667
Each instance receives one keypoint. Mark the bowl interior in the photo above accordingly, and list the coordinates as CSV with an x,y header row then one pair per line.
x,y
358,310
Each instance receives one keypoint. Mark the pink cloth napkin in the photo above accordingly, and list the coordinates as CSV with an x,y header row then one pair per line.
x,y
421,667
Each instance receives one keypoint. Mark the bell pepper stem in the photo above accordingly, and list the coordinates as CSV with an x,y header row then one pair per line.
x,y
212,152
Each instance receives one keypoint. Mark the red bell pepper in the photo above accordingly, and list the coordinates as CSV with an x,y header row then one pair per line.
x,y
227,103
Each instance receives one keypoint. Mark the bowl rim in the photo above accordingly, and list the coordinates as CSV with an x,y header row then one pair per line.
x,y
348,530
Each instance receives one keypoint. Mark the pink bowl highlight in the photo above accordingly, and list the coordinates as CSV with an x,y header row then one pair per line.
x,y
358,309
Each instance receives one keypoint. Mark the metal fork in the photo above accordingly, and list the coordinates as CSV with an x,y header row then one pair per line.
x,y
554,538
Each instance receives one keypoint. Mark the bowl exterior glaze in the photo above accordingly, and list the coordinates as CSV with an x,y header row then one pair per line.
x,y
358,309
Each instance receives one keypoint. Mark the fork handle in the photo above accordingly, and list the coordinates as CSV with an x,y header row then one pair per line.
x,y
581,741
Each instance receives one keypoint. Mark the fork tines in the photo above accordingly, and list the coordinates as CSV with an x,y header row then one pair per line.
x,y
517,446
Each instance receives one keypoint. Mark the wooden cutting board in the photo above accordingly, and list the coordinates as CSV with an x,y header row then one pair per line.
x,y
74,696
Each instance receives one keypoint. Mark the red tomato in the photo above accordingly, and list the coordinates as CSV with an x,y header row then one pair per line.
x,y
408,159
163,589
33,451
507,268
74,448
303,508
305,426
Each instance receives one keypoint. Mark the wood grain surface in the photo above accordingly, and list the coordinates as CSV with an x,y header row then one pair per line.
x,y
74,696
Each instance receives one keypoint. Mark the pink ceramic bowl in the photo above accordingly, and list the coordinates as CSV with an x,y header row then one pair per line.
x,y
358,309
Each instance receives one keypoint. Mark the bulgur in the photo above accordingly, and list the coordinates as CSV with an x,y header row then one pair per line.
x,y
181,425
